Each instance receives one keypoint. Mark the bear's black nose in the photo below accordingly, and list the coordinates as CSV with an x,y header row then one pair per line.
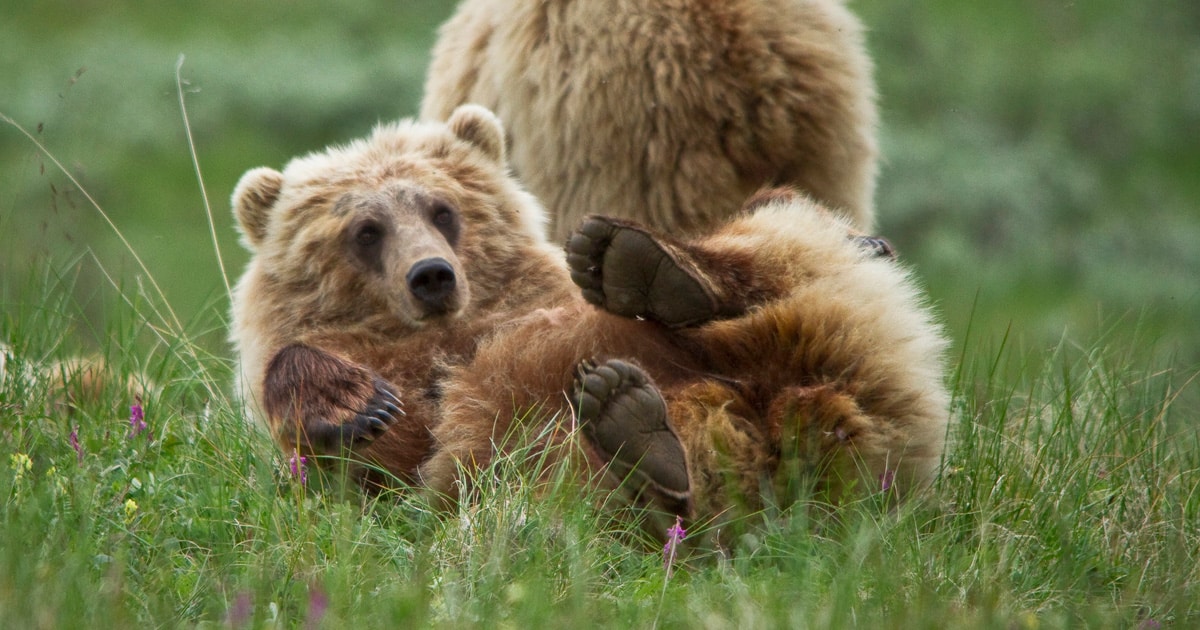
x,y
432,282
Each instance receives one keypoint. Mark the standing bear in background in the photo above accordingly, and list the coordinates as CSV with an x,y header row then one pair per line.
x,y
669,112
402,306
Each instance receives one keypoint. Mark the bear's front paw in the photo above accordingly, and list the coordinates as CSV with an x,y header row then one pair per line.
x,y
627,271
382,410
323,404
625,417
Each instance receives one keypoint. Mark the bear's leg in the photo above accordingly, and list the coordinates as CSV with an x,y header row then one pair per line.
x,y
729,456
321,404
624,269
827,444
630,271
624,417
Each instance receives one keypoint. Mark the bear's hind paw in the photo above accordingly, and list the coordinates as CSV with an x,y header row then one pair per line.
x,y
626,271
624,416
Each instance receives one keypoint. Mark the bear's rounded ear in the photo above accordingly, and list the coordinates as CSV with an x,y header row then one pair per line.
x,y
479,126
256,192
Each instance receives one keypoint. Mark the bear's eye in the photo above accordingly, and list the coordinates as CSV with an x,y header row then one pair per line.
x,y
368,234
443,216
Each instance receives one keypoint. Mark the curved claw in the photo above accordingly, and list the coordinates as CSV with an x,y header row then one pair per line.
x,y
877,246
393,411
392,400
380,413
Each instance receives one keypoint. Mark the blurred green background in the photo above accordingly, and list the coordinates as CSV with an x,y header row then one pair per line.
x,y
1042,158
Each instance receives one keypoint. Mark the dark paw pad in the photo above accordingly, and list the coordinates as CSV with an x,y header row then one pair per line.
x,y
626,271
625,417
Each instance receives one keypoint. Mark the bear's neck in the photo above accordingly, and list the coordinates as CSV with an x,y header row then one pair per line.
x,y
523,286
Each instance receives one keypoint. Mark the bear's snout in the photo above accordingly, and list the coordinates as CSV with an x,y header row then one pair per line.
x,y
433,283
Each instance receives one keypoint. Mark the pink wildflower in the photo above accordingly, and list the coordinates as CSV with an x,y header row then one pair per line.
x,y
318,602
239,614
675,534
137,418
74,439
886,479
299,466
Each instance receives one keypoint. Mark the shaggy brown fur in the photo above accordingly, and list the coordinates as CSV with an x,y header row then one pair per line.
x,y
671,113
822,366
328,328
777,347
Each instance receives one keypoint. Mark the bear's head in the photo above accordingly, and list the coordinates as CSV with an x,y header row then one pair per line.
x,y
419,222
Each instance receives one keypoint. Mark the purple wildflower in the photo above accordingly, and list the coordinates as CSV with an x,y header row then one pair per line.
x,y
137,418
886,479
241,610
675,534
74,439
1149,624
299,466
318,602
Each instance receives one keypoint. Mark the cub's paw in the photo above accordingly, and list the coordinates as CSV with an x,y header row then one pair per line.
x,y
627,271
624,416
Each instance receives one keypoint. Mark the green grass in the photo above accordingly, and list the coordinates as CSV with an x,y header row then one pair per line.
x,y
1069,499
1039,176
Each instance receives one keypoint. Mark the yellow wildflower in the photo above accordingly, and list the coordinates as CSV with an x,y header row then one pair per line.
x,y
21,464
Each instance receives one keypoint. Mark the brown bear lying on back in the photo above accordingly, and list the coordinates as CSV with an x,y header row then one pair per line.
x,y
403,303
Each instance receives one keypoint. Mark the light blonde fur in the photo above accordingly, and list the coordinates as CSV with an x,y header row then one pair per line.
x,y
668,112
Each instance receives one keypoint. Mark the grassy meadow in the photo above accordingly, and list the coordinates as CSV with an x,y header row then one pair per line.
x,y
1041,176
